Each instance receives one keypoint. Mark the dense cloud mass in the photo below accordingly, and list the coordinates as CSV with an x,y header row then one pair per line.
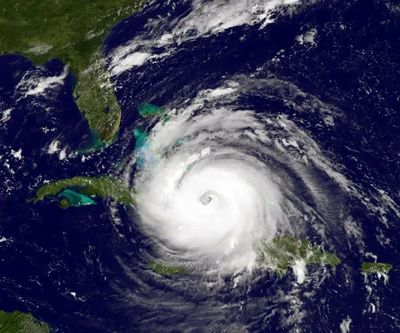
x,y
215,180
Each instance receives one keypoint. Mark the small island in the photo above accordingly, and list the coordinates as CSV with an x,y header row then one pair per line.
x,y
165,269
284,252
147,110
80,191
18,322
72,31
376,268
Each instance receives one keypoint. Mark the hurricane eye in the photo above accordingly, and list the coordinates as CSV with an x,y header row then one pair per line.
x,y
206,198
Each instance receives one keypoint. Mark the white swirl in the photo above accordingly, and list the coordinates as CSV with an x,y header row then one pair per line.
x,y
215,179
212,204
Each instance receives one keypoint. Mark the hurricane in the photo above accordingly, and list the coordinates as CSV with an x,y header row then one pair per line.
x,y
247,180
209,196
234,179
215,181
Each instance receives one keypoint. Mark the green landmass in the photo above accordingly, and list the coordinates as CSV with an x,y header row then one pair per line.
x,y
283,252
18,322
79,191
166,269
376,268
94,95
147,110
72,31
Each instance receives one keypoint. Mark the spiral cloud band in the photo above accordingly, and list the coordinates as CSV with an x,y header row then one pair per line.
x,y
212,204
210,187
